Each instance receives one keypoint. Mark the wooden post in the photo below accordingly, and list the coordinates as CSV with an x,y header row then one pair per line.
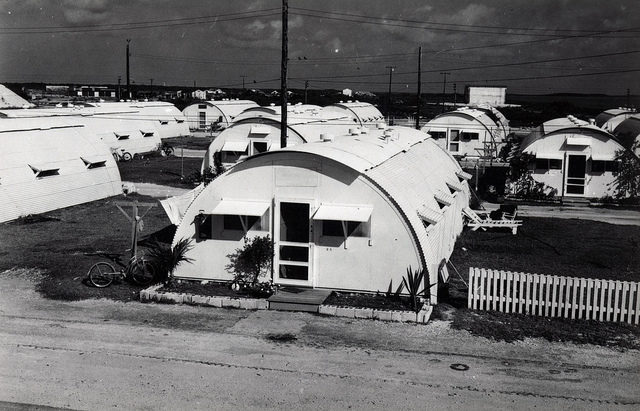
x,y
283,74
419,96
135,220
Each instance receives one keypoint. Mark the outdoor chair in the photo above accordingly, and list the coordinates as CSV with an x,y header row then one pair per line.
x,y
502,218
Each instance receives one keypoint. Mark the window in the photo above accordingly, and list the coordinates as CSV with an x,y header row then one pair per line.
x,y
334,228
94,164
122,136
45,172
555,164
542,164
164,122
260,147
600,166
202,106
234,222
612,166
470,136
454,146
146,133
436,135
204,226
454,135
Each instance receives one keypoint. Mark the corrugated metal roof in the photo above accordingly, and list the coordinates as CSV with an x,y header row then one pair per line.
x,y
563,124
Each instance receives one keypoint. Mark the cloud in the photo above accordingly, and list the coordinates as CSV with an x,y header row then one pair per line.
x,y
79,12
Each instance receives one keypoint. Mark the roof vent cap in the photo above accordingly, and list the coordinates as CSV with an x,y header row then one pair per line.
x,y
326,137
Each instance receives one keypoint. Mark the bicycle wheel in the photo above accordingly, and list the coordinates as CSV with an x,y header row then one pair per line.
x,y
101,274
141,271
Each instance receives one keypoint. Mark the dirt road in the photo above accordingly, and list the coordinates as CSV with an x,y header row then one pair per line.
x,y
100,354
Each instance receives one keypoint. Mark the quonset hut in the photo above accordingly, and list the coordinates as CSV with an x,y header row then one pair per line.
x,y
628,134
219,113
608,120
257,130
48,163
472,132
573,157
351,214
362,114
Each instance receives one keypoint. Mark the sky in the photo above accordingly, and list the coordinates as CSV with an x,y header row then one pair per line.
x,y
531,47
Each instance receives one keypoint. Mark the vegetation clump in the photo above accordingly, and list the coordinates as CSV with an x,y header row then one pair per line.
x,y
251,263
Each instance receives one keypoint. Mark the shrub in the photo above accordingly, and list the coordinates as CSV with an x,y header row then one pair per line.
x,y
252,261
626,184
412,282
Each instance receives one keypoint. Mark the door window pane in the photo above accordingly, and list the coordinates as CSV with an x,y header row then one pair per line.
x,y
292,253
294,272
294,222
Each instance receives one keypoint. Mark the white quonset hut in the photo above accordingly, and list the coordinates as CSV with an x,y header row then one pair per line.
x,y
257,130
217,113
628,133
124,131
575,158
608,120
473,132
362,114
48,163
353,213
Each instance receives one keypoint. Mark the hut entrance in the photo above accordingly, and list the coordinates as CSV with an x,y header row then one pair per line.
x,y
576,170
292,248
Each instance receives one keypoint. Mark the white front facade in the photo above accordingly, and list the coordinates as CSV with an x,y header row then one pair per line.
x,y
493,96
335,211
218,113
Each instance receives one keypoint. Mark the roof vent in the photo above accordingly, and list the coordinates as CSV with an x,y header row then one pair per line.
x,y
381,126
272,104
364,130
341,101
354,131
349,101
326,137
592,121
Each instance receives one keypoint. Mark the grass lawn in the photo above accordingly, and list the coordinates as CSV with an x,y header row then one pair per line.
x,y
569,247
65,242
191,142
578,248
161,170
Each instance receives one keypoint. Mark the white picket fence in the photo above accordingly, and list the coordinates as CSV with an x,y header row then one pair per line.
x,y
554,296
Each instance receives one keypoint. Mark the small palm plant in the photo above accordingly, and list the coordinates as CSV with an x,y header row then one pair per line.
x,y
166,259
412,282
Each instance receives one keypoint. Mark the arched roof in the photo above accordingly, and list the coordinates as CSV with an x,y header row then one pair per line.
x,y
9,99
230,109
567,124
488,117
363,112
628,132
606,115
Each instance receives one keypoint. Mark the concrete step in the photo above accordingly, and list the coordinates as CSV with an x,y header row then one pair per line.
x,y
298,299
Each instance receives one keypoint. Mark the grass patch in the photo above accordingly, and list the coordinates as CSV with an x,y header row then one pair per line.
x,y
568,247
160,170
66,242
190,142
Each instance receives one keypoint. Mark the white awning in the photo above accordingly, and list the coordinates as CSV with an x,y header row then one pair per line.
x,y
454,185
260,130
463,175
578,141
603,156
235,146
241,207
339,212
429,215
444,198
551,156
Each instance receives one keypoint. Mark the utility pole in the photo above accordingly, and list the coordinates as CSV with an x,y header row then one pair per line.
x,y
455,95
151,86
419,95
128,78
628,98
119,95
306,86
243,81
444,86
283,74
391,68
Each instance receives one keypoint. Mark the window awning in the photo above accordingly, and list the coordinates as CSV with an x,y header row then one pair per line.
x,y
241,207
340,212
463,175
578,141
260,130
235,146
147,133
551,156
444,198
429,215
454,185
603,156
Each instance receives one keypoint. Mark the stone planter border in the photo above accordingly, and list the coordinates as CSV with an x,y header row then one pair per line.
x,y
152,294
383,315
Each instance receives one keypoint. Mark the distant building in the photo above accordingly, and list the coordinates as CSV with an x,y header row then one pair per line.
x,y
199,94
57,90
362,114
347,92
477,131
95,91
493,96
219,112
628,133
608,120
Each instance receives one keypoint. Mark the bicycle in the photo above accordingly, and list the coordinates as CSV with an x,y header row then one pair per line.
x,y
139,270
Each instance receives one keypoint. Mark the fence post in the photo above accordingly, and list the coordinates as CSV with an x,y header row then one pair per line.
x,y
522,298
623,309
616,306
472,288
483,305
587,307
610,306
601,306
554,292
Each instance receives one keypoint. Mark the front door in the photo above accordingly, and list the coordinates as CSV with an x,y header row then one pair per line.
x,y
576,173
293,245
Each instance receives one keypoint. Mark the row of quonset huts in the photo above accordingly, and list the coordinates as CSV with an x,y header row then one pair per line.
x,y
333,205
